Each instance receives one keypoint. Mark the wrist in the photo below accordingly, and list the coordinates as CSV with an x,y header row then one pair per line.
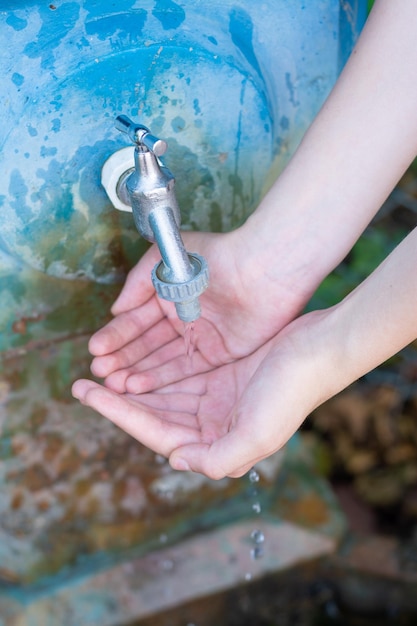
x,y
290,243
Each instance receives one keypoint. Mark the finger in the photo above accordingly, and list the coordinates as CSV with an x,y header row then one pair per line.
x,y
125,328
138,286
166,374
150,429
186,404
158,335
117,380
162,354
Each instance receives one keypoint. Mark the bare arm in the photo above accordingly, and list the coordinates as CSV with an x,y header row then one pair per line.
x,y
350,159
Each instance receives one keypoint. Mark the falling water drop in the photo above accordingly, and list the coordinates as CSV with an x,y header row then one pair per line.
x,y
167,565
258,538
257,552
256,507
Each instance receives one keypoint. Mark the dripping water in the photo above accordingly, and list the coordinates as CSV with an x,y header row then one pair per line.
x,y
257,537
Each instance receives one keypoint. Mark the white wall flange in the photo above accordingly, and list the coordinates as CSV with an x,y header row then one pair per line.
x,y
113,169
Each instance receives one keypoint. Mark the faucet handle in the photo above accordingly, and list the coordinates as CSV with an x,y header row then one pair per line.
x,y
140,135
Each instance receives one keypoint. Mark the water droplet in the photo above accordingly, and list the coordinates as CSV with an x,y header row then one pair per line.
x,y
257,536
257,552
253,476
256,507
163,493
167,565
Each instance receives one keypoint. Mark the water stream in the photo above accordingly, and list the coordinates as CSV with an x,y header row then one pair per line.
x,y
257,537
189,345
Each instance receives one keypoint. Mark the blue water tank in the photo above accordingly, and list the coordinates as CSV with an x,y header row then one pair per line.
x,y
231,85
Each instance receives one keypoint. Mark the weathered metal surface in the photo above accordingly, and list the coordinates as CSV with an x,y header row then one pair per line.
x,y
230,85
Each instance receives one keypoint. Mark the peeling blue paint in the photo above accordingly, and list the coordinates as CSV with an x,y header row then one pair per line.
x,y
284,122
47,152
178,124
32,131
54,27
98,8
57,102
18,193
18,79
56,125
125,24
16,22
170,14
291,89
241,32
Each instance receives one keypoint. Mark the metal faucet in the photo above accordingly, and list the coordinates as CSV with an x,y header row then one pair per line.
x,y
180,277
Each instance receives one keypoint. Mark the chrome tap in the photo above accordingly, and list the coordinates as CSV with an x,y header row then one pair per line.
x,y
180,277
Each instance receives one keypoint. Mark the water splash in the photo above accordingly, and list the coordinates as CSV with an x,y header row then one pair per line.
x,y
189,345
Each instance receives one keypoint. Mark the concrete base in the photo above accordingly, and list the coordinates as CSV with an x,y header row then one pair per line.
x,y
203,565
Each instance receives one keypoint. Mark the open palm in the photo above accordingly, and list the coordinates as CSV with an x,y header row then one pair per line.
x,y
223,421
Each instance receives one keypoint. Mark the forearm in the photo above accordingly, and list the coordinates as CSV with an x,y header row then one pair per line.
x,y
375,321
350,159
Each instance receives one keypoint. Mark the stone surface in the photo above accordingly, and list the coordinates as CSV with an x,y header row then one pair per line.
x,y
203,565
73,485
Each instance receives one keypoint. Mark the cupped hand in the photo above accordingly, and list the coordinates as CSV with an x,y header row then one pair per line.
x,y
223,421
142,348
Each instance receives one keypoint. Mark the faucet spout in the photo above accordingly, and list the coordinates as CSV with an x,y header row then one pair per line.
x,y
180,277
167,235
